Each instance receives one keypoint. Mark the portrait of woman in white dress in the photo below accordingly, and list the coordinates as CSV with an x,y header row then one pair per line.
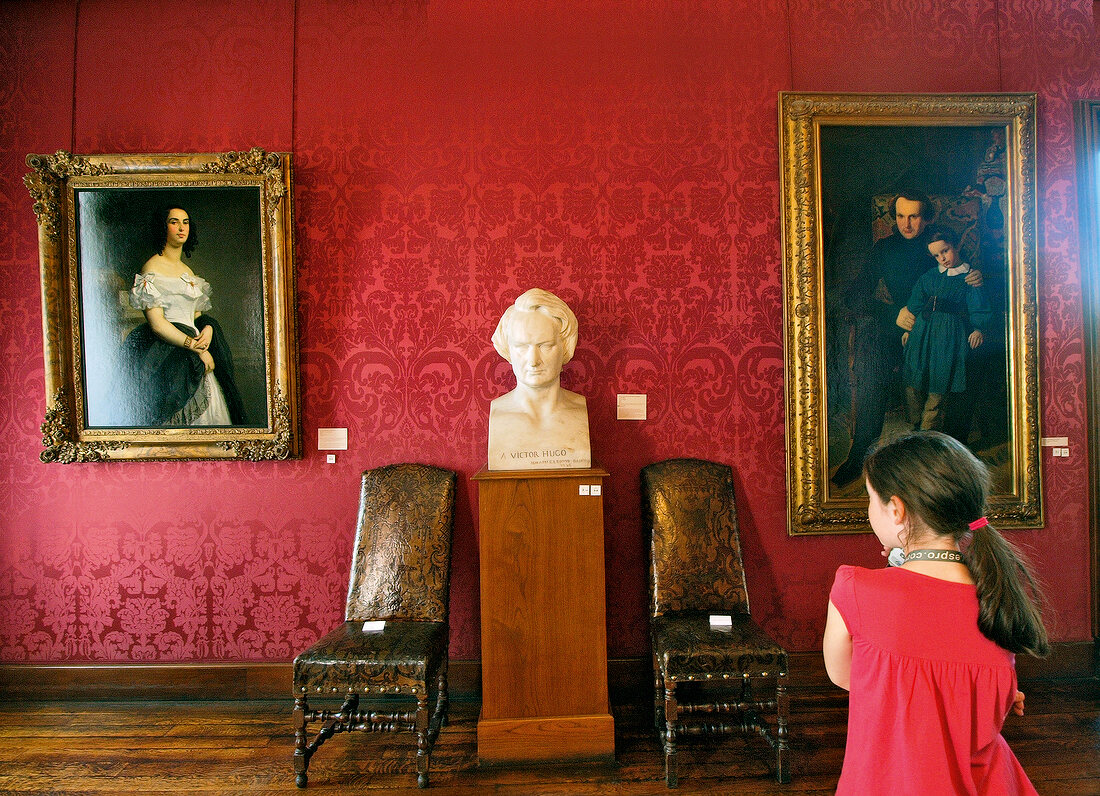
x,y
176,369
169,310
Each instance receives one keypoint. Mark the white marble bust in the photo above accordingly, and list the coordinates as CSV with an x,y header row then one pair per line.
x,y
538,425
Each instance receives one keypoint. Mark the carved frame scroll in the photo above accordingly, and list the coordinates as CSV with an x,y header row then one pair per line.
x,y
87,207
973,155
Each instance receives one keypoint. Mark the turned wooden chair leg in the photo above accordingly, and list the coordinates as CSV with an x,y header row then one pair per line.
x,y
442,703
301,752
423,749
782,754
658,698
671,715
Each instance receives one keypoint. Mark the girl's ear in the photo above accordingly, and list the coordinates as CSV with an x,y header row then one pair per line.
x,y
895,509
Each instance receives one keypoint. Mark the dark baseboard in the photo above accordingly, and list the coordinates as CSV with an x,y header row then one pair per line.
x,y
630,679
1067,661
164,681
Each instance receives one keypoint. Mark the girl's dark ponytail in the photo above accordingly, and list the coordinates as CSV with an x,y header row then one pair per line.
x,y
940,481
1008,596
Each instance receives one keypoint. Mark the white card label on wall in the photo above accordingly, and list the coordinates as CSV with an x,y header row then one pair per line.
x,y
332,439
630,406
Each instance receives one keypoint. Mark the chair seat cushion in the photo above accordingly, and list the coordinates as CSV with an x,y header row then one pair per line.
x,y
397,660
688,648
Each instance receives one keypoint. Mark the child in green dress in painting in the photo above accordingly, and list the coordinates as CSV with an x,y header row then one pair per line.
x,y
950,318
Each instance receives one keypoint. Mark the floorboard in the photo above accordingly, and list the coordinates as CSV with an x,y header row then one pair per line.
x,y
245,748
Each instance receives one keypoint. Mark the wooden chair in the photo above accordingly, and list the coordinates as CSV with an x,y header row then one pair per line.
x,y
399,574
696,571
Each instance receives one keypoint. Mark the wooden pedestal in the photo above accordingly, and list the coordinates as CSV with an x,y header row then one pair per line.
x,y
543,629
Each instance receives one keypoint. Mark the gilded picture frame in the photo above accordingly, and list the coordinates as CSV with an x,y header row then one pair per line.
x,y
852,166
120,385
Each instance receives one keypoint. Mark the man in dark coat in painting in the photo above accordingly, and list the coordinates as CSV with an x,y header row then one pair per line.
x,y
877,303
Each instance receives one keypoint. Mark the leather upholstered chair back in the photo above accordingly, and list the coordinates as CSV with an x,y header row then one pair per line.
x,y
402,544
695,549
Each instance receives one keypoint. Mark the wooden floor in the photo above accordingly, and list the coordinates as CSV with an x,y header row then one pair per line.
x,y
245,748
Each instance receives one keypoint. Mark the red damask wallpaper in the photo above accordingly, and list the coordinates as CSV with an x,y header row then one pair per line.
x,y
447,156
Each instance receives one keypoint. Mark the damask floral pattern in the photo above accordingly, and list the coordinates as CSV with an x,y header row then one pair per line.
x,y
448,156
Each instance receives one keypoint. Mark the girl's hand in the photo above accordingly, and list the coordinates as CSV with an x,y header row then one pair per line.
x,y
204,338
1018,704
904,338
975,339
207,360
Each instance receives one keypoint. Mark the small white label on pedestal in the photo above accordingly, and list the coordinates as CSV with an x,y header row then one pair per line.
x,y
374,626
720,621
584,489
596,490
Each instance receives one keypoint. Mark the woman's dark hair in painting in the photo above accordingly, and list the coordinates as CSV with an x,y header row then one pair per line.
x,y
158,228
946,234
927,211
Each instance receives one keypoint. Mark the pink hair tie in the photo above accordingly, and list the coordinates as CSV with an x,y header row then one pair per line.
x,y
981,522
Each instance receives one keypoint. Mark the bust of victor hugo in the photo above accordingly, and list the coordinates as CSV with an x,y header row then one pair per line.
x,y
538,425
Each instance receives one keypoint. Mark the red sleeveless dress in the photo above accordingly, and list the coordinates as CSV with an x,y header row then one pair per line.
x,y
929,693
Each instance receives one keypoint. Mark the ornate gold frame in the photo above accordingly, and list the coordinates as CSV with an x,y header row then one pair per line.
x,y
812,509
1087,127
53,184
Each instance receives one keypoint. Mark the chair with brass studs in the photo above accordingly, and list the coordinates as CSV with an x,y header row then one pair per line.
x,y
706,674
399,575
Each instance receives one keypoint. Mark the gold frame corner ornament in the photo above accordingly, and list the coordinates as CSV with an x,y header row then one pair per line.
x,y
59,445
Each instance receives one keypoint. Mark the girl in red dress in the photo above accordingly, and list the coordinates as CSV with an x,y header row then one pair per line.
x,y
926,649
